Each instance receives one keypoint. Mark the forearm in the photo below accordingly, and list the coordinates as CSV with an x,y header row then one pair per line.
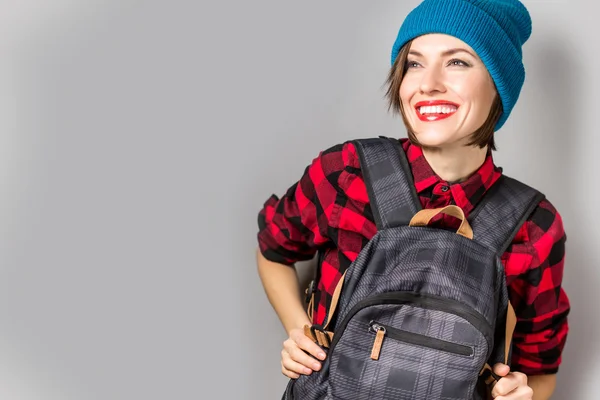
x,y
542,385
283,291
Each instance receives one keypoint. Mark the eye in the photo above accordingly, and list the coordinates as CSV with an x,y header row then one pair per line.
x,y
459,63
412,64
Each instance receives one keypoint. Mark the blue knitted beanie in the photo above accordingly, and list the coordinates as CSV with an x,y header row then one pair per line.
x,y
495,29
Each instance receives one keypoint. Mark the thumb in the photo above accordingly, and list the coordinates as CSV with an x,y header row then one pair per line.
x,y
501,369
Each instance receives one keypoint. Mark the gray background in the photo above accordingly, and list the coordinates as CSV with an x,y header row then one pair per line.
x,y
139,139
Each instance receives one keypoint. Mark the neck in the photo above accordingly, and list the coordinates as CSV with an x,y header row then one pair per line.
x,y
455,164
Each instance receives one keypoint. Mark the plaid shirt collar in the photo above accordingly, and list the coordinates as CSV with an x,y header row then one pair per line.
x,y
466,194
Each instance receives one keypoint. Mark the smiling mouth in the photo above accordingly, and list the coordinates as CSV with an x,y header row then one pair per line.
x,y
430,111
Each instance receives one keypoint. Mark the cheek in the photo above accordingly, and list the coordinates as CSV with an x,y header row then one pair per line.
x,y
408,88
477,91
484,98
404,94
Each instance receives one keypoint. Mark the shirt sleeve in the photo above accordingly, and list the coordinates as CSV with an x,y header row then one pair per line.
x,y
293,227
537,258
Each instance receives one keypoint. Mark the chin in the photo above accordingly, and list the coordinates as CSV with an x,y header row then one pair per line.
x,y
434,139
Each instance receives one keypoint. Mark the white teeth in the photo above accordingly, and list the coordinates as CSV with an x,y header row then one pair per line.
x,y
447,109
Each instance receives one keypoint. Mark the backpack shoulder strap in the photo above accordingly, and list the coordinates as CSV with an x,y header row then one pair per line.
x,y
389,181
394,202
502,212
495,222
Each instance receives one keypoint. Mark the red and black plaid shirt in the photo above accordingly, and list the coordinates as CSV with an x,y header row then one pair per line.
x,y
328,209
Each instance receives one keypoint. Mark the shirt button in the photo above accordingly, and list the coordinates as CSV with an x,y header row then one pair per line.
x,y
445,188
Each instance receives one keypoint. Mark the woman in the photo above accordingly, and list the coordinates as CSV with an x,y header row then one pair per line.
x,y
456,75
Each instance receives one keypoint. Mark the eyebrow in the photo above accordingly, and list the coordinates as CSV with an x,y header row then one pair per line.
x,y
445,53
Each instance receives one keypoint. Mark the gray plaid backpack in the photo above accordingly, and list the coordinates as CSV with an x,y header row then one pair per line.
x,y
422,312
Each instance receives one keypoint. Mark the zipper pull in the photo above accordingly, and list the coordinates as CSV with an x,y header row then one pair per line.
x,y
378,340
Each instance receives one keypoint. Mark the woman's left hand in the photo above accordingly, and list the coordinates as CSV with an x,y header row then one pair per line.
x,y
512,385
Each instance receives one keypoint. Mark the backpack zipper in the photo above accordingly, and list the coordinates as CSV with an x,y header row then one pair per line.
x,y
416,339
422,301
381,331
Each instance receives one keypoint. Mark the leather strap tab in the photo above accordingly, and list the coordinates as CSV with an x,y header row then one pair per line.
x,y
487,372
334,300
321,337
376,349
423,217
308,333
309,308
511,323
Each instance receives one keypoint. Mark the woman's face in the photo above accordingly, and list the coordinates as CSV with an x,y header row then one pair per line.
x,y
447,92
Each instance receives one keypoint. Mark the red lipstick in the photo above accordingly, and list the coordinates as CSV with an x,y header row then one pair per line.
x,y
433,110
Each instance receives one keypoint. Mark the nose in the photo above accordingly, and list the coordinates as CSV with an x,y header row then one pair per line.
x,y
432,81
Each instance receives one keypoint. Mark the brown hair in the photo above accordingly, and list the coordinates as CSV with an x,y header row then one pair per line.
x,y
484,136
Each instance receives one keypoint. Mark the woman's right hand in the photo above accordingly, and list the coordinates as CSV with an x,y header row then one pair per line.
x,y
294,358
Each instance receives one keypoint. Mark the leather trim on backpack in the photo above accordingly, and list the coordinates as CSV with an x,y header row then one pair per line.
x,y
423,217
319,334
335,300
321,337
487,372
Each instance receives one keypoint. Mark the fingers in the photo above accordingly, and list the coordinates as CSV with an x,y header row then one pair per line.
x,y
522,393
501,369
291,368
307,345
297,355
513,384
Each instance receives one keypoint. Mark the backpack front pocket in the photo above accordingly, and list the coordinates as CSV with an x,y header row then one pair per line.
x,y
382,332
397,344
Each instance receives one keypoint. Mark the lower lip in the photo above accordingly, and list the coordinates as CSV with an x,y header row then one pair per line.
x,y
433,117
